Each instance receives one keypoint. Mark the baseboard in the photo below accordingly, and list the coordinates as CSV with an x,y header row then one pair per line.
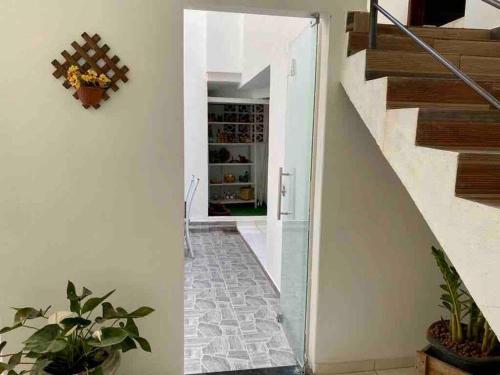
x,y
268,276
328,368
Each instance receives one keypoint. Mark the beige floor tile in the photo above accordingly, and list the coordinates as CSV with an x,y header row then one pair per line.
x,y
402,371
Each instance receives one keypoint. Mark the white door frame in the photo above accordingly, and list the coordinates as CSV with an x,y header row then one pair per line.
x,y
320,110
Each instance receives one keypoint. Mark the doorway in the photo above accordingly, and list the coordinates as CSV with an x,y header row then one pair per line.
x,y
250,90
435,13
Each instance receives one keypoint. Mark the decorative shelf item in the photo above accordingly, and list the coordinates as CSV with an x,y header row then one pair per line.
x,y
90,56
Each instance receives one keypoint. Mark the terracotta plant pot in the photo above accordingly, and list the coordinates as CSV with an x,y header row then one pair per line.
x,y
90,95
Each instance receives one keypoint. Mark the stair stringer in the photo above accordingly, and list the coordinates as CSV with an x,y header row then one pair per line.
x,y
469,232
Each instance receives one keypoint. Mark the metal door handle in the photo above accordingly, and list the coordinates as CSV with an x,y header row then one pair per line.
x,y
281,193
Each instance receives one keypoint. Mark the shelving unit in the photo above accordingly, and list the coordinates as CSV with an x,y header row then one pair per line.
x,y
235,128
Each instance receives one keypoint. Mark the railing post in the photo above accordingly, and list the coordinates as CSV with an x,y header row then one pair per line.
x,y
372,41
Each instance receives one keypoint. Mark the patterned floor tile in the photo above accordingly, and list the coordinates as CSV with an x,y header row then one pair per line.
x,y
230,309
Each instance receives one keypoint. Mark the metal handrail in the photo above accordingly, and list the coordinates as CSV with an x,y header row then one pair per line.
x,y
494,3
375,8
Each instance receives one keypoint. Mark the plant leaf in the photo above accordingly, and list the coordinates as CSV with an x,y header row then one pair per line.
x,y
25,313
110,336
128,344
108,311
8,329
131,328
69,323
446,305
141,312
85,293
73,298
143,343
15,359
2,345
46,340
92,303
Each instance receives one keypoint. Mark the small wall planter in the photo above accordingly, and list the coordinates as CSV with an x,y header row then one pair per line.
x,y
90,96
91,55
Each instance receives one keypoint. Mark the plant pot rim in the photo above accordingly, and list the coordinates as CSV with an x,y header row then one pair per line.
x,y
91,88
474,361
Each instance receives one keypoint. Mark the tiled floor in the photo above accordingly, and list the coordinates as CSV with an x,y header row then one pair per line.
x,y
401,371
229,308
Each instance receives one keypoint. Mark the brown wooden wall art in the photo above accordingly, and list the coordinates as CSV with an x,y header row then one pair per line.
x,y
91,56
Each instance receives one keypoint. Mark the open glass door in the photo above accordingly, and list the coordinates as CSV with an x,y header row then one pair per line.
x,y
295,188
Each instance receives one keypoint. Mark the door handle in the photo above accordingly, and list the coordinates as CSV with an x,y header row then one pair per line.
x,y
281,193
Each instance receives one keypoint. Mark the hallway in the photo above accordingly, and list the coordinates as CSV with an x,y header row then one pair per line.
x,y
229,308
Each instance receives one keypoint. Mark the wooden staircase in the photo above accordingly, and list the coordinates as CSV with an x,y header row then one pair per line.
x,y
451,115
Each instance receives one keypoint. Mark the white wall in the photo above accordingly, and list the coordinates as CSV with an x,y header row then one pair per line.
x,y
480,15
94,196
224,42
266,41
398,8
195,108
377,279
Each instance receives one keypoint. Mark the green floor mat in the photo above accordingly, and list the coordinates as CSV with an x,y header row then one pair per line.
x,y
247,211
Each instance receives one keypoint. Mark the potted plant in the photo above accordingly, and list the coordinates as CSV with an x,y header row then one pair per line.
x,y
90,86
72,342
464,340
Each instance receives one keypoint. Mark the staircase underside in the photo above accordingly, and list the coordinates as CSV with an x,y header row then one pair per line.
x,y
439,136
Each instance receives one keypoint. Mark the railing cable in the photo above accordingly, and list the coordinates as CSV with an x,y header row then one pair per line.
x,y
375,8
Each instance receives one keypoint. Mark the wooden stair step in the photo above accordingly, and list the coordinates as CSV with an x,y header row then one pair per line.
x,y
478,177
411,92
481,67
392,42
360,22
489,48
440,32
453,115
459,130
359,42
413,64
396,63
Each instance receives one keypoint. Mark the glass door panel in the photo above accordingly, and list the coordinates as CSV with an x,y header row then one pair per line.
x,y
295,188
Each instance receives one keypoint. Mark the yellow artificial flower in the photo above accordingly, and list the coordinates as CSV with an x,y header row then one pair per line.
x,y
103,80
87,78
92,73
73,68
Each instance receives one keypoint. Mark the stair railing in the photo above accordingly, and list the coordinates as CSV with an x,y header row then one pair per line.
x,y
372,44
494,3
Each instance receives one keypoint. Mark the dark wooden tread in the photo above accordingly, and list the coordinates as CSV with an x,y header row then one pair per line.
x,y
451,115
419,64
459,130
451,93
478,177
360,22
490,48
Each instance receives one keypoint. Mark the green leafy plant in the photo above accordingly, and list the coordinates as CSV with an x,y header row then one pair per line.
x,y
72,342
460,305
452,299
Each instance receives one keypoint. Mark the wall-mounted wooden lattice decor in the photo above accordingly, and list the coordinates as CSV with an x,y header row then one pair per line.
x,y
90,55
